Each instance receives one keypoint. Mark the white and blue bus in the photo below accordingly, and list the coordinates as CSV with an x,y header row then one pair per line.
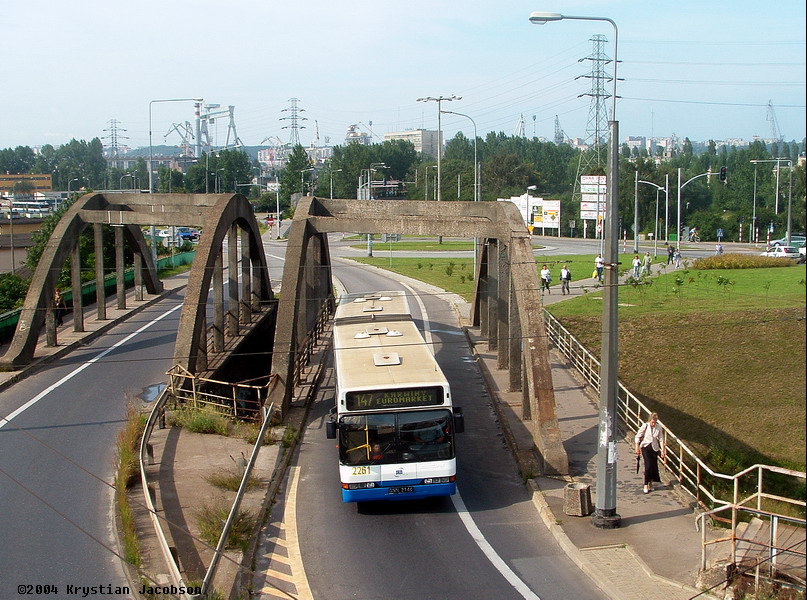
x,y
393,418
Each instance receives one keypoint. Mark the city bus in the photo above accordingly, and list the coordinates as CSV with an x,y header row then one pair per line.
x,y
393,415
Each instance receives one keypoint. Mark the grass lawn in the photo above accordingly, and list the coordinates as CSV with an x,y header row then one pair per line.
x,y
720,354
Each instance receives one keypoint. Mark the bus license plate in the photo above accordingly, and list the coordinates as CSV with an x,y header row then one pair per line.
x,y
402,490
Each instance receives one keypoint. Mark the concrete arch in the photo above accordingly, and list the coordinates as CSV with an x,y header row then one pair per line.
x,y
63,243
507,303
229,215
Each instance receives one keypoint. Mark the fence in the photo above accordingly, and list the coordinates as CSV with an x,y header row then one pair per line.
x,y
716,492
9,320
241,400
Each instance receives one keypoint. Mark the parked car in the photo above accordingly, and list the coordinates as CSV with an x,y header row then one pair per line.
x,y
782,252
188,234
795,240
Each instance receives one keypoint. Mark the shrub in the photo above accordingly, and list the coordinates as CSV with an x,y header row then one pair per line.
x,y
200,421
739,261
211,518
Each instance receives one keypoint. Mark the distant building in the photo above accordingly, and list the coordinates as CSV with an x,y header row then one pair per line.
x,y
424,140
40,182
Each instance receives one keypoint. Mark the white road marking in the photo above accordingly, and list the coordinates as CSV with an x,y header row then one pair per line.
x,y
488,550
8,418
466,518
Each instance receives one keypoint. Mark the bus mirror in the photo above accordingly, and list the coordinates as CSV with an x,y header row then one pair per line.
x,y
330,430
459,420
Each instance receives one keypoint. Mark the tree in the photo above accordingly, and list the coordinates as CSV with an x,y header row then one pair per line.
x,y
294,175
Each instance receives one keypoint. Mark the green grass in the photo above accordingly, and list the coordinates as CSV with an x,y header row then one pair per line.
x,y
211,517
429,246
719,353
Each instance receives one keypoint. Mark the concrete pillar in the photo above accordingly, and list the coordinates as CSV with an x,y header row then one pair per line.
x,y
493,294
503,301
75,284
218,304
246,280
120,271
255,299
50,318
515,341
232,281
100,293
138,277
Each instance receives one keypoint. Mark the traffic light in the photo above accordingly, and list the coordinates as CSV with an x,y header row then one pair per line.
x,y
723,173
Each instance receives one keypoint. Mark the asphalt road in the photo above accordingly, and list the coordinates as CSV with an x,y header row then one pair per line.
x,y
57,457
422,550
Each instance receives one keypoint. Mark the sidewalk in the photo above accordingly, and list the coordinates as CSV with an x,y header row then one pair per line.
x,y
656,551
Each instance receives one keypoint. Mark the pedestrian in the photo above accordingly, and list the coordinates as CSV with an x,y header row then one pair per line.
x,y
647,264
598,266
650,443
59,306
670,252
637,264
546,279
718,249
565,278
677,258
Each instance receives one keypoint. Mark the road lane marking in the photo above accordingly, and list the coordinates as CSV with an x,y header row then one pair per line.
x,y
466,518
489,552
8,418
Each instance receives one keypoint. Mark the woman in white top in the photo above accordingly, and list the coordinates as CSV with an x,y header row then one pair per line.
x,y
546,278
650,443
637,264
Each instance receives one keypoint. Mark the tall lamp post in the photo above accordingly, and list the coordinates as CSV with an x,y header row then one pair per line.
x,y
476,184
439,100
332,171
605,515
153,230
659,188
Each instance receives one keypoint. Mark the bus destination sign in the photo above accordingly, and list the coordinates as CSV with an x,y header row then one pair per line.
x,y
401,398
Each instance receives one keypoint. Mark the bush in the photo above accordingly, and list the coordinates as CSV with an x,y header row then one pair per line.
x,y
200,421
211,518
739,261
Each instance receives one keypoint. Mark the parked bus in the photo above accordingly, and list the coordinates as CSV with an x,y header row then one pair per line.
x,y
393,417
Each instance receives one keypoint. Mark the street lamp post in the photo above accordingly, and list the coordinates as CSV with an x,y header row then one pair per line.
x,y
426,183
658,189
605,515
681,186
331,174
476,184
302,179
439,100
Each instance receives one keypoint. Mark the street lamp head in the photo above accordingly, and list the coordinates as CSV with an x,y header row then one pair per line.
x,y
542,18
532,187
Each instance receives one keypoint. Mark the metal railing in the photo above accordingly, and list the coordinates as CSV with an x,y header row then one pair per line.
x,y
157,413
716,492
303,355
242,401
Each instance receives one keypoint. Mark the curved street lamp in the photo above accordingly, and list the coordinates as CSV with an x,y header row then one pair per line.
x,y
605,515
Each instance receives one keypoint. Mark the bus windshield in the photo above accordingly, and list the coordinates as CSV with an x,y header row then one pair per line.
x,y
410,436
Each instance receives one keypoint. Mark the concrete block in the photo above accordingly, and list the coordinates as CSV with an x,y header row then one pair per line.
x,y
577,500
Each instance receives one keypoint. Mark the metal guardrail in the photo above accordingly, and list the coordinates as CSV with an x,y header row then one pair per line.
x,y
187,388
303,355
157,412
717,492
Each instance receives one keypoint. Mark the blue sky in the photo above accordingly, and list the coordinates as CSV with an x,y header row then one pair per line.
x,y
703,70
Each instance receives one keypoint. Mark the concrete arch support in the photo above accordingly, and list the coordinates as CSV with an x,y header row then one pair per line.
x,y
230,215
63,244
507,304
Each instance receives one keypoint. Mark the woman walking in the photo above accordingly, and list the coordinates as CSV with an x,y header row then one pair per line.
x,y
650,442
546,279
